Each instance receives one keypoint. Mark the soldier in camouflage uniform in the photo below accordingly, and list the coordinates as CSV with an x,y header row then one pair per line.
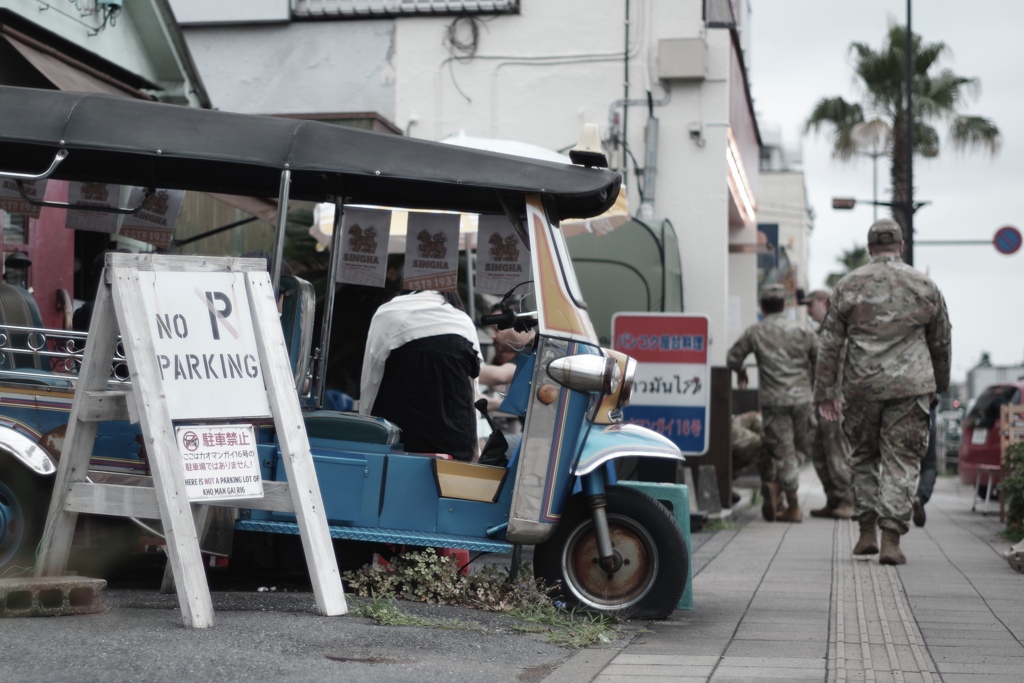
x,y
785,350
747,437
831,453
898,354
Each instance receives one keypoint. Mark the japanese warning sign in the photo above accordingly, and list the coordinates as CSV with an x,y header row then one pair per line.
x,y
671,387
205,345
219,462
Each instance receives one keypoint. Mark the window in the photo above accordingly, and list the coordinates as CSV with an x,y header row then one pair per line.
x,y
985,413
15,228
317,9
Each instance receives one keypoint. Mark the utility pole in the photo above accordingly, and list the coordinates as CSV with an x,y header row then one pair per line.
x,y
908,208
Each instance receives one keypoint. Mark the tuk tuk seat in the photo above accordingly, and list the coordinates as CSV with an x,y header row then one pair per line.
x,y
337,426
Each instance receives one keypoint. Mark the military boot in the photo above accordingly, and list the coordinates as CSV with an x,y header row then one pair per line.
x,y
867,544
781,506
842,511
891,553
792,513
770,493
919,515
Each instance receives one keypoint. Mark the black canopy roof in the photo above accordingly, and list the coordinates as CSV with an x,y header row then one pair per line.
x,y
124,141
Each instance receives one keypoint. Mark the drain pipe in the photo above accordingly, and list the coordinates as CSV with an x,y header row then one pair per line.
x,y
650,161
625,97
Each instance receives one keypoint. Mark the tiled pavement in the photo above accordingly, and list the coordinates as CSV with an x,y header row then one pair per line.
x,y
788,602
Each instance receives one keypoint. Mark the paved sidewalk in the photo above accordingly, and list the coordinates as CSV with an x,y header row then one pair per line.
x,y
788,602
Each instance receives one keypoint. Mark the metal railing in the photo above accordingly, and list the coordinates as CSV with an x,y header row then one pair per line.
x,y
49,356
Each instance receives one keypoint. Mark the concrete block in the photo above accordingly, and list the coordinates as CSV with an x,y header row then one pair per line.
x,y
50,596
690,486
676,497
707,490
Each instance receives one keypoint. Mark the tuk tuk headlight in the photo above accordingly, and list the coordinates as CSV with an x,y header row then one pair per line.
x,y
627,383
586,373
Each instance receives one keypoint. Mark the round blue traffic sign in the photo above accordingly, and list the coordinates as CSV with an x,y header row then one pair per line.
x,y
1007,239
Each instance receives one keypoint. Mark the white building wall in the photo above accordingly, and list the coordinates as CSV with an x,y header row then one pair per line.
x,y
191,12
539,76
298,68
695,196
784,201
536,77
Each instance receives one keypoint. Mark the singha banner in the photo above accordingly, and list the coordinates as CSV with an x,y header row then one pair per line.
x,y
502,260
101,195
364,247
154,222
13,201
432,251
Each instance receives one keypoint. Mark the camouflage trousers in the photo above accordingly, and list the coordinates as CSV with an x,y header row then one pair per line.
x,y
787,429
747,441
888,439
831,458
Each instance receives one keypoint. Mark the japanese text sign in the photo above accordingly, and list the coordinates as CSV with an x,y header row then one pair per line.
x,y
219,462
671,387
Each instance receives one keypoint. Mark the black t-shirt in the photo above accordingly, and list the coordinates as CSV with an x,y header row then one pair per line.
x,y
426,391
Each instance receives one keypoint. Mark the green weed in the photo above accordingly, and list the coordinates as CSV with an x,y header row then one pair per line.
x,y
425,576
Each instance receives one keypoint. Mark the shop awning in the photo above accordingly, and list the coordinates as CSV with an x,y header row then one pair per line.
x,y
66,73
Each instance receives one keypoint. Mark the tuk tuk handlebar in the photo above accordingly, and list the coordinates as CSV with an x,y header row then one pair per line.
x,y
506,319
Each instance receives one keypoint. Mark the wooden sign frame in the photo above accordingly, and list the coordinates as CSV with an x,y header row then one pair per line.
x,y
120,306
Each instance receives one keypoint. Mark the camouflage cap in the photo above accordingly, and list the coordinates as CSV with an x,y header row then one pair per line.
x,y
885,231
772,292
819,295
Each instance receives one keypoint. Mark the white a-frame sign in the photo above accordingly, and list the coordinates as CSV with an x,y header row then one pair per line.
x,y
204,346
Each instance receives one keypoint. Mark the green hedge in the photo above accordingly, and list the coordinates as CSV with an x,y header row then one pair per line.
x,y
1012,487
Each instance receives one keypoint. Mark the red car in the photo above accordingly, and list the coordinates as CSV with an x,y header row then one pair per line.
x,y
979,442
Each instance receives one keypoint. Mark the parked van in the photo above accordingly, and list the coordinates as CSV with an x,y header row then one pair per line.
x,y
979,441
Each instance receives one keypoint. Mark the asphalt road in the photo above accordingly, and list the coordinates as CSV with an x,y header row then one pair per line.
x,y
264,636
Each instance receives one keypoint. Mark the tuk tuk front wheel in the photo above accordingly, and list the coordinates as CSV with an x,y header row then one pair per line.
x,y
24,499
652,572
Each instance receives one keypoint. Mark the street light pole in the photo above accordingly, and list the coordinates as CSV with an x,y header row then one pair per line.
x,y
872,139
908,239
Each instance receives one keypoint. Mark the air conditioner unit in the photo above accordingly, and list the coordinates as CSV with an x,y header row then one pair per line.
x,y
682,59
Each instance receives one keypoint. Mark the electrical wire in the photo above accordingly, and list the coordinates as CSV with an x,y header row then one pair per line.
x,y
459,48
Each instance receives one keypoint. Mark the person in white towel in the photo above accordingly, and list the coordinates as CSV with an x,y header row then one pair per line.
x,y
419,369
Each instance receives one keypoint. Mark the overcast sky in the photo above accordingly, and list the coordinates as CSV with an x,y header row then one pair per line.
x,y
799,53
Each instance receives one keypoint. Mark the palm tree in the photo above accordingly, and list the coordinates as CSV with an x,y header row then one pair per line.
x,y
851,259
939,95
